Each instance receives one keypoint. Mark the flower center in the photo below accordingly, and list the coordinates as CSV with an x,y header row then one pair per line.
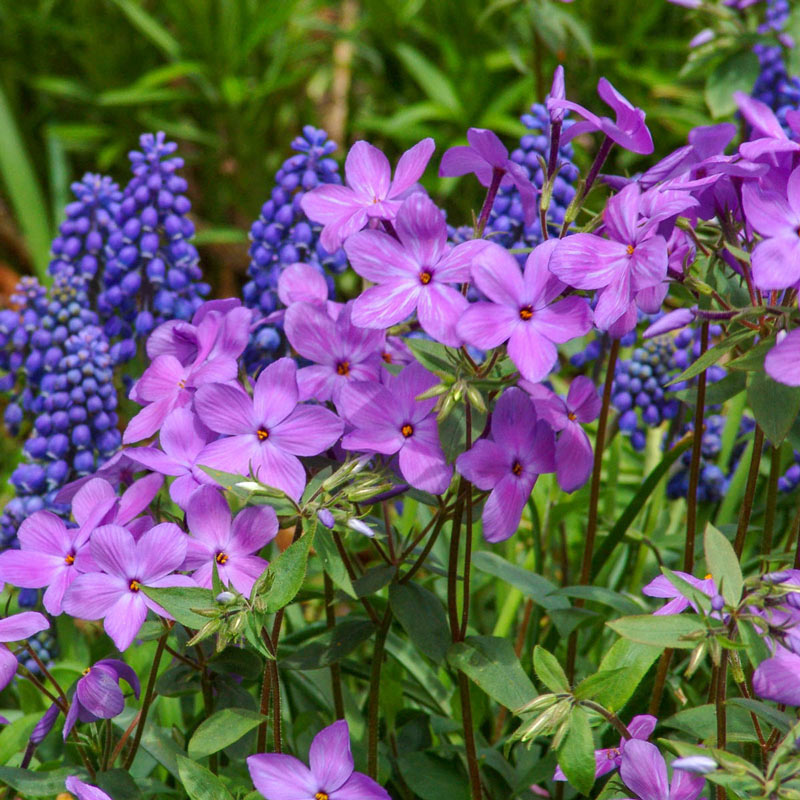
x,y
613,753
87,671
526,312
222,558
387,357
69,560
517,468
262,434
134,585
182,383
407,430
708,577
629,249
571,416
320,796
343,368
425,277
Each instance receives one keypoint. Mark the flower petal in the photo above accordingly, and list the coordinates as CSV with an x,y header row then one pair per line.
x,y
386,304
644,770
439,309
281,777
225,409
330,758
275,392
307,431
411,165
503,508
368,172
253,528
124,619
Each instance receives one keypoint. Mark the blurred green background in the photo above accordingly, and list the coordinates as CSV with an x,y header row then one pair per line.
x,y
233,81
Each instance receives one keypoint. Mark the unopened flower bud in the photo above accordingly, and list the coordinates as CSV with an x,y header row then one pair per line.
x,y
360,527
717,602
325,517
699,765
225,597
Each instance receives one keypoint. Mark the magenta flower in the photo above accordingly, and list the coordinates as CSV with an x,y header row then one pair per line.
x,y
370,192
389,419
98,694
573,449
524,310
634,259
183,437
522,447
776,678
114,593
644,772
342,351
15,629
84,791
661,587
48,556
606,760
768,136
331,775
783,361
628,130
776,260
265,432
232,546
412,273
487,157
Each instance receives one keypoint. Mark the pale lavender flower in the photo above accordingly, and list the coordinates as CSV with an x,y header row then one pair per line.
x,y
413,272
114,594
524,310
776,678
522,447
84,791
369,193
231,546
662,587
266,432
783,361
331,774
15,629
644,772
389,419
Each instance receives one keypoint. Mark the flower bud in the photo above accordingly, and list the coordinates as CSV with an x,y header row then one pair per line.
x,y
698,765
225,598
360,527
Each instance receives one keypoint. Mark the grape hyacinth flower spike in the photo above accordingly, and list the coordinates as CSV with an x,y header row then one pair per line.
x,y
644,771
15,629
487,157
98,694
265,432
369,193
413,273
522,447
524,310
330,776
232,546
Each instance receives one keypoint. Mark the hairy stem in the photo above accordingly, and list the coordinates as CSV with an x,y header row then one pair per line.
x,y
749,493
772,501
335,669
375,694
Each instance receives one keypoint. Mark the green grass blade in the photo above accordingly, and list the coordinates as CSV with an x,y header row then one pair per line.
x,y
150,28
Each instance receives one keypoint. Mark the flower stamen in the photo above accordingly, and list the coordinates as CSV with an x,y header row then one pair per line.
x,y
69,559
407,430
526,312
425,277
134,585
262,434
516,469
343,368
629,249
221,558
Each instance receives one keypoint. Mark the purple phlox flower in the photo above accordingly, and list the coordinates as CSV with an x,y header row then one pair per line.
x,y
330,773
775,260
99,494
487,157
682,252
768,136
628,130
114,594
51,555
15,629
232,546
524,310
119,469
396,351
84,791
369,193
606,760
661,587
388,419
522,447
302,283
341,351
632,261
566,417
98,694
183,437
412,272
266,432
704,141
644,772
44,725
776,678
783,361
662,205
671,321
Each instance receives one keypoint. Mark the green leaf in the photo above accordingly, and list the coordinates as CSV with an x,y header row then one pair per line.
x,y
150,27
222,729
180,600
667,631
430,78
778,719
330,646
712,355
576,754
432,778
549,671
737,73
16,735
200,783
332,563
38,784
288,572
431,355
603,595
422,616
118,784
539,589
491,662
636,659
605,681
723,565
753,359
775,405
453,430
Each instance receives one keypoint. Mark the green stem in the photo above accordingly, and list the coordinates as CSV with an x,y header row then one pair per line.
x,y
375,694
469,738
147,701
661,679
261,740
749,492
722,720
772,501
336,672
